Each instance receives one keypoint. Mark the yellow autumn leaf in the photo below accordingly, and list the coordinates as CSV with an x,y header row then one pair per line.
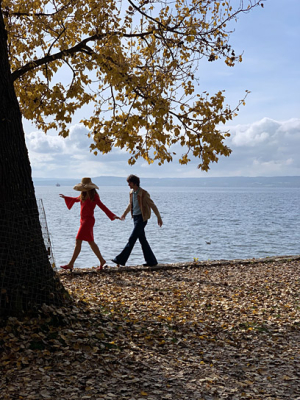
x,y
129,70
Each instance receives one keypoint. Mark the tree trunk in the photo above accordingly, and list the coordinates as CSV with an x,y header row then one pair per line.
x,y
27,279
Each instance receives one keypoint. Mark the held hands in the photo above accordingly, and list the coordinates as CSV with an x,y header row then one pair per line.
x,y
122,217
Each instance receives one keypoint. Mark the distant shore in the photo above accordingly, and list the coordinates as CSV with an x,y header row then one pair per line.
x,y
234,181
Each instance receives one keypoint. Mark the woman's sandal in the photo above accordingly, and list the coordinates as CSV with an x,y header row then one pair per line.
x,y
101,267
70,267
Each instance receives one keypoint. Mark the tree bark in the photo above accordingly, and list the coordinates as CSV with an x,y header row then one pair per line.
x,y
27,279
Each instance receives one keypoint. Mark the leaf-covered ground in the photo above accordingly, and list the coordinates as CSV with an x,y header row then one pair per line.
x,y
193,331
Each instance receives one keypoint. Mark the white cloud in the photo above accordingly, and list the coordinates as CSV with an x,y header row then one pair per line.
x,y
265,139
41,143
264,148
267,135
250,138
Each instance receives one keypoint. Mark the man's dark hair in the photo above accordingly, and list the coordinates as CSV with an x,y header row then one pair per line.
x,y
134,179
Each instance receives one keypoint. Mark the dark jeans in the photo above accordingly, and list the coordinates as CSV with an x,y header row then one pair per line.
x,y
137,233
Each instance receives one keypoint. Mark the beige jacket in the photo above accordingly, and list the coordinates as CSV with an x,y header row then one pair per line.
x,y
145,203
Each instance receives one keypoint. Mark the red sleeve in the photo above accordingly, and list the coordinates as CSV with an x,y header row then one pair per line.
x,y
71,200
110,214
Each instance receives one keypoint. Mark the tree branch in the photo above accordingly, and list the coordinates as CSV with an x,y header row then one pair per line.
x,y
24,14
80,47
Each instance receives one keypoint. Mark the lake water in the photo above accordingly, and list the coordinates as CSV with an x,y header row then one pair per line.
x,y
203,223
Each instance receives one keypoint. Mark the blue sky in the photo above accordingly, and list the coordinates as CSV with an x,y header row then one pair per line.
x,y
265,137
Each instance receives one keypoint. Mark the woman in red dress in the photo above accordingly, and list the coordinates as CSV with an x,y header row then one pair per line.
x,y
88,199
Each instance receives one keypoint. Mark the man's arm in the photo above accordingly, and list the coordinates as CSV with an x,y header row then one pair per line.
x,y
152,205
125,212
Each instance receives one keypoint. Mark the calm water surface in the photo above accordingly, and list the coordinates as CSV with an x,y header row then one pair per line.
x,y
203,223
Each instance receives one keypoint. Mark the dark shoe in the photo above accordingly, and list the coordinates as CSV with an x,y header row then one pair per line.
x,y
117,262
149,265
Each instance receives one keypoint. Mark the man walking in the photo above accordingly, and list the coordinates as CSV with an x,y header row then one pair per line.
x,y
140,206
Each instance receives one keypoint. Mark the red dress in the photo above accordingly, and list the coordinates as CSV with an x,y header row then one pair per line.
x,y
87,219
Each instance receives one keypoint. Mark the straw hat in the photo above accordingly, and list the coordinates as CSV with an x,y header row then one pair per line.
x,y
85,185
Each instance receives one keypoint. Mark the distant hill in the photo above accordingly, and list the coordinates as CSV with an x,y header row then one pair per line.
x,y
239,181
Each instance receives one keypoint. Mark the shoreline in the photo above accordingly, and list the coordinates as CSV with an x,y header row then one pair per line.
x,y
194,264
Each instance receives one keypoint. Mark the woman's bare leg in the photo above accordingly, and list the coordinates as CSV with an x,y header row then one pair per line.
x,y
76,252
96,250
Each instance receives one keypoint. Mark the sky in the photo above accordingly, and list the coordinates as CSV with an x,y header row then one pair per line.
x,y
265,136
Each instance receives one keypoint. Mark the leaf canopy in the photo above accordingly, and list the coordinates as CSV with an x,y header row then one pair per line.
x,y
133,62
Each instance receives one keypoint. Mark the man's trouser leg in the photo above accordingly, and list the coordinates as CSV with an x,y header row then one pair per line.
x,y
138,230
